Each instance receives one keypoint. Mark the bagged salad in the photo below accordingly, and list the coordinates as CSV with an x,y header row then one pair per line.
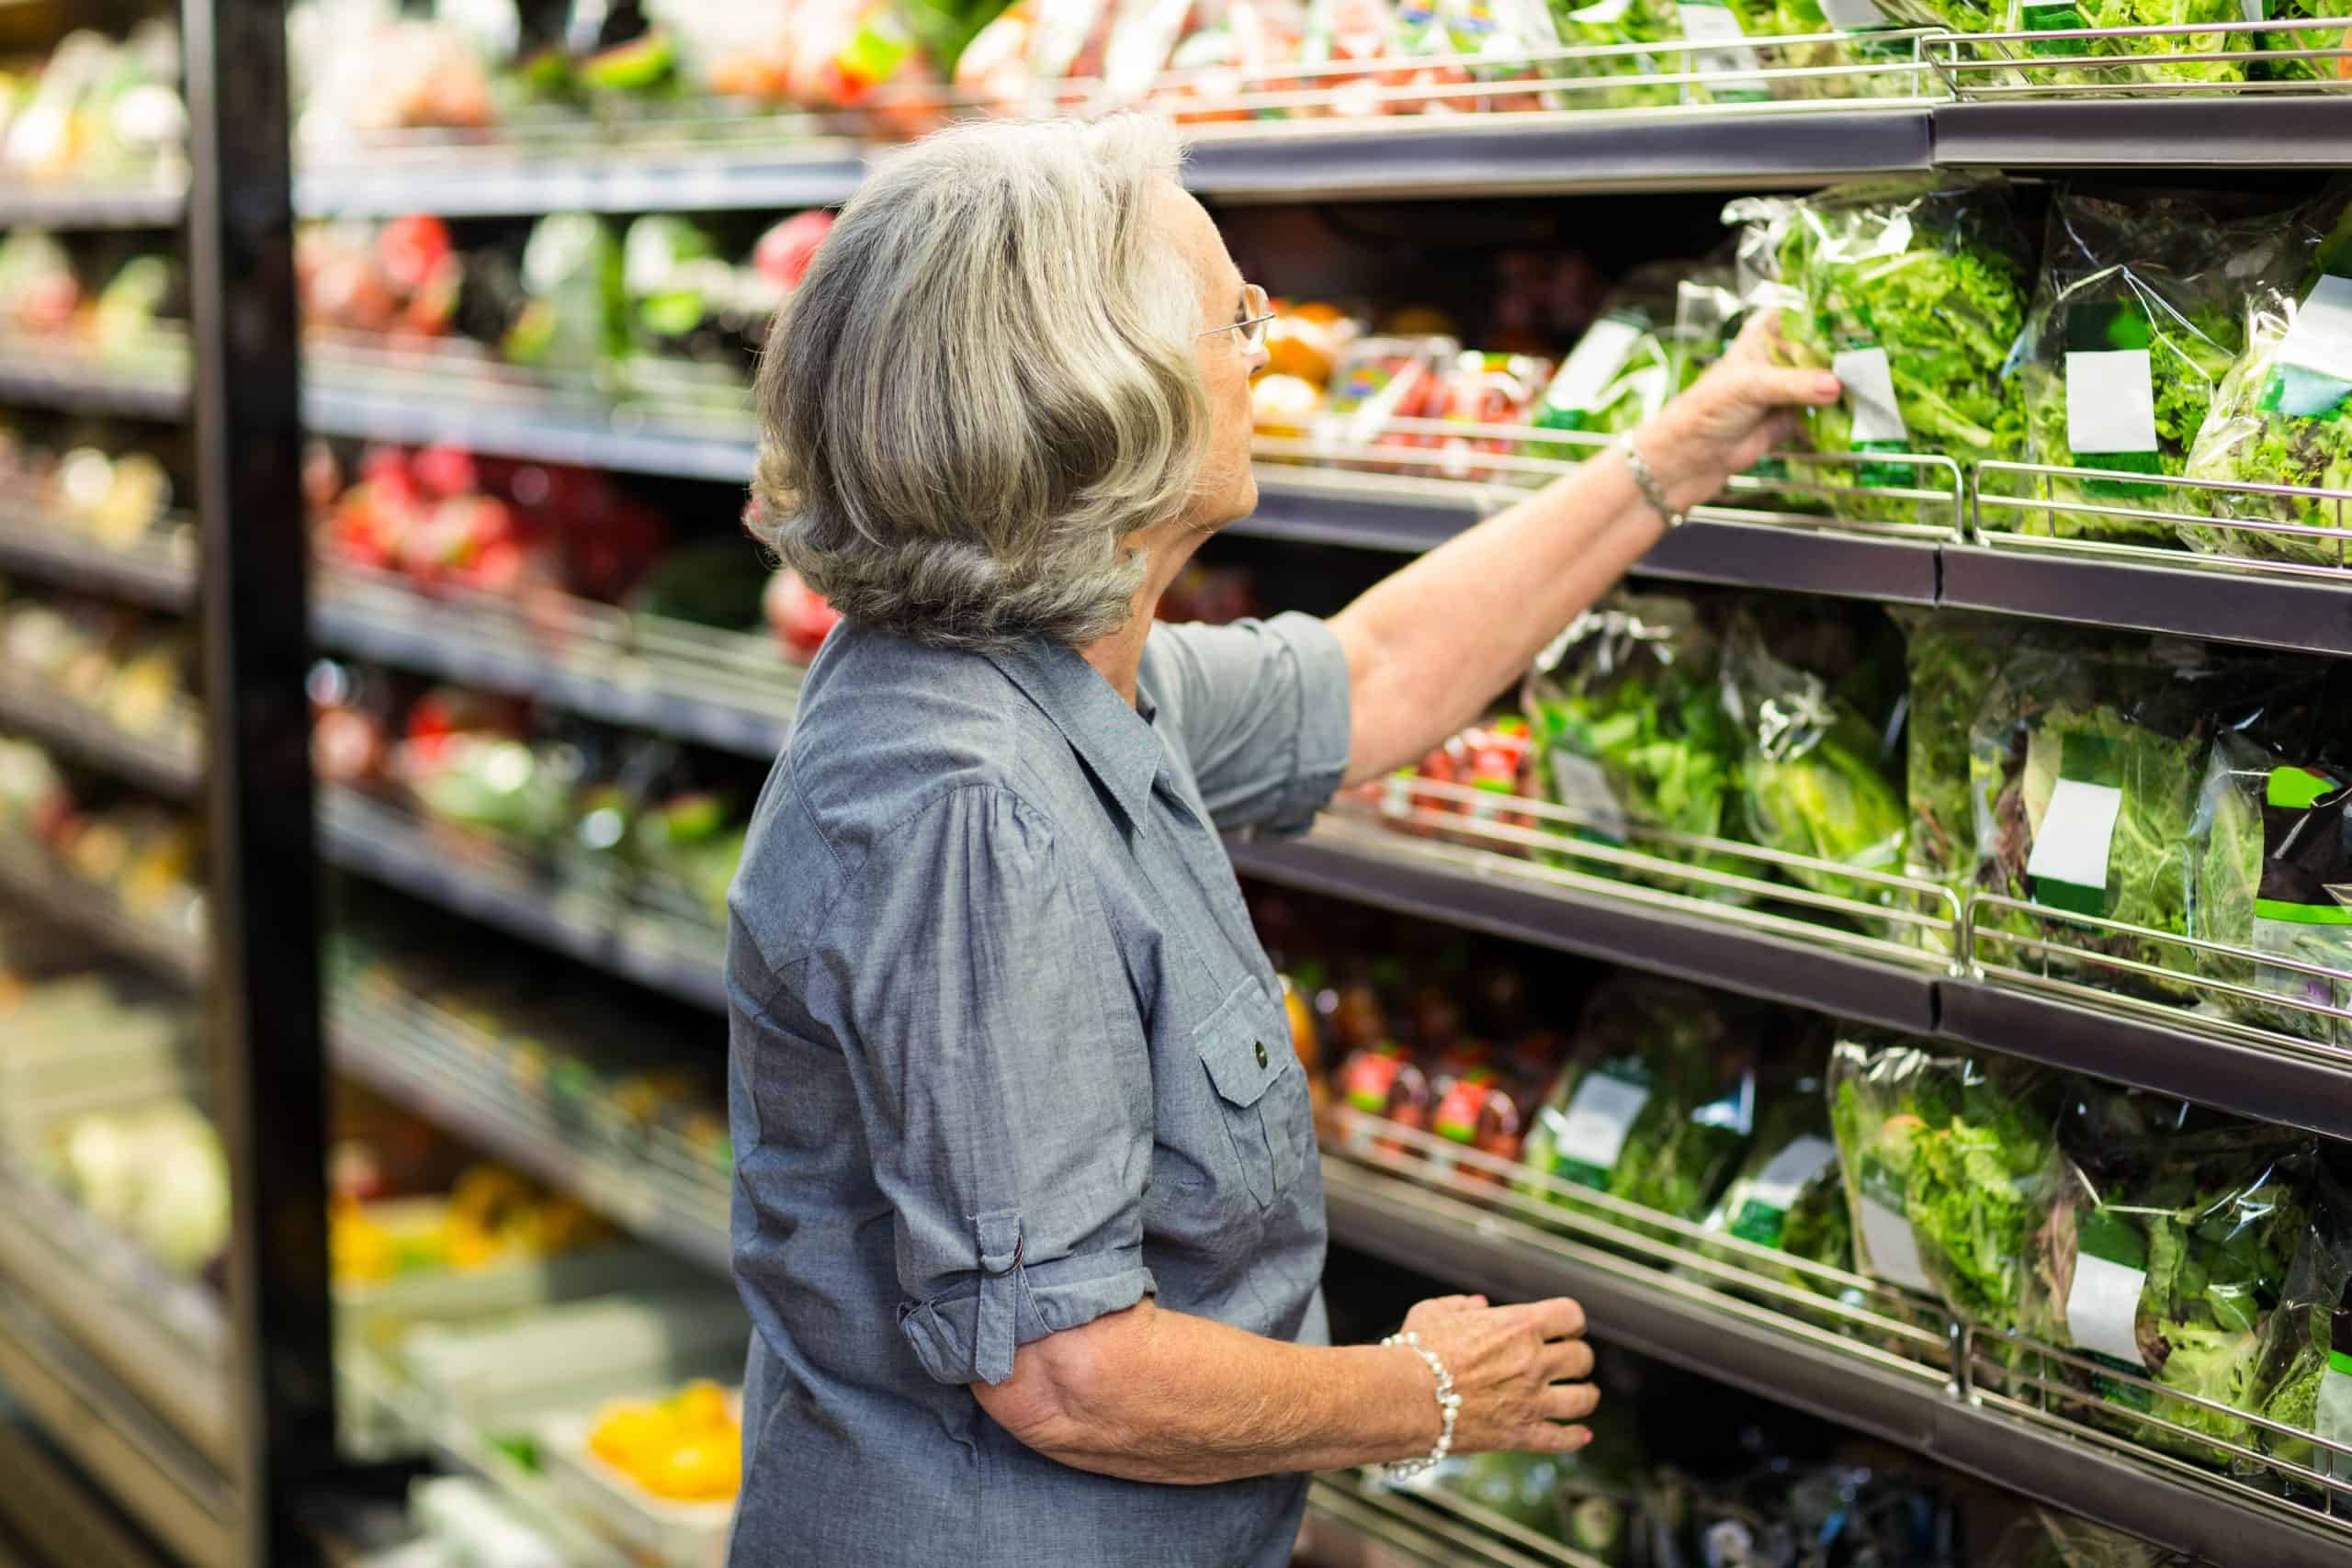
x,y
2138,317
1628,23
1945,1161
2087,768
1954,658
2308,1371
1630,731
1789,1194
1622,371
2273,872
2283,413
2124,62
1815,778
1915,295
2168,1258
1657,1101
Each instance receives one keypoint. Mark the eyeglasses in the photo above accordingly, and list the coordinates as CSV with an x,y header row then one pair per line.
x,y
1257,309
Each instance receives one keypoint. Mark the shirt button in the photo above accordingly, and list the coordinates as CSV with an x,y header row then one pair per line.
x,y
1261,1053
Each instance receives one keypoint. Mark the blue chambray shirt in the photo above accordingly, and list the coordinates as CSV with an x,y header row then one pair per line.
x,y
1007,1057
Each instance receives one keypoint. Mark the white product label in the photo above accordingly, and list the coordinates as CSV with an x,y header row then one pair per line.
x,y
1715,24
2333,1419
2321,336
2077,832
1593,364
1870,389
1396,795
1786,1174
1593,1130
1583,788
1893,1253
1855,16
1602,14
2110,401
2102,1307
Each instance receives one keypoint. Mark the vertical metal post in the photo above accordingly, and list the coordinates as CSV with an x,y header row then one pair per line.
x,y
269,1053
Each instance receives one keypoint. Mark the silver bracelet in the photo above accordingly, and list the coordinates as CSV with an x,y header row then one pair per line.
x,y
1647,482
1448,1404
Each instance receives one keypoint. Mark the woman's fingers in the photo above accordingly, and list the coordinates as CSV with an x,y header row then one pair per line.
x,y
1568,1402
1558,1318
1549,1438
1567,1361
1765,387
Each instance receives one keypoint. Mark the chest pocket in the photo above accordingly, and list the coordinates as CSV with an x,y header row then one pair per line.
x,y
1247,1068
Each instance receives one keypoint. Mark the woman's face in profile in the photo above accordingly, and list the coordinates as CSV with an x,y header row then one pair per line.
x,y
1228,490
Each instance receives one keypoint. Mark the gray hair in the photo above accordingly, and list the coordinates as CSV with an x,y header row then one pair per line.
x,y
985,383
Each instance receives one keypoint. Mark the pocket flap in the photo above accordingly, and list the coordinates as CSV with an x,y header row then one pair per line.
x,y
1241,1061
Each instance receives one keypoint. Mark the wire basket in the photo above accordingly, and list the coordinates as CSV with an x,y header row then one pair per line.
x,y
2010,507
2168,61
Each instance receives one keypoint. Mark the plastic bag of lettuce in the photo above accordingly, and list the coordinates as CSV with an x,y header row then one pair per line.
x,y
2273,874
1788,1194
1953,659
1656,1102
1624,368
1623,706
2168,1258
1915,293
2283,413
1945,1161
1816,777
2133,59
2308,1367
2086,768
2138,317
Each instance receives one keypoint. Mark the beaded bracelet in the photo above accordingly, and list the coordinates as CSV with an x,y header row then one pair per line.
x,y
1448,1404
1647,482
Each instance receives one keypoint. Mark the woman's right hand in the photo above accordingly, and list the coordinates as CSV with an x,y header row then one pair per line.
x,y
1520,1371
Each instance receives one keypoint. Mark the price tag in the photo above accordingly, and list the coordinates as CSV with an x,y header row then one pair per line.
x,y
1870,391
2111,402
2070,852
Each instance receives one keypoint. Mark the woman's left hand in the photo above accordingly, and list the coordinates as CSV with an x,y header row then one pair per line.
x,y
1742,407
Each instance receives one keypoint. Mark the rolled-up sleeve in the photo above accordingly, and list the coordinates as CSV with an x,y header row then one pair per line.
x,y
970,982
1261,710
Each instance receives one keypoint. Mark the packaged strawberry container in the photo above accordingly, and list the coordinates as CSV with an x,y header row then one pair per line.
x,y
1377,381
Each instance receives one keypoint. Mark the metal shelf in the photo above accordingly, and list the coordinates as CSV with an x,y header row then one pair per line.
x,y
2274,609
27,875
154,201
1373,866
80,383
113,1302
1412,516
116,1440
1357,1523
2246,131
375,841
457,182
164,765
600,438
367,1047
597,672
1909,1405
161,575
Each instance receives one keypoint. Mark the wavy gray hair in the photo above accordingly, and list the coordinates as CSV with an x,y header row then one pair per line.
x,y
985,383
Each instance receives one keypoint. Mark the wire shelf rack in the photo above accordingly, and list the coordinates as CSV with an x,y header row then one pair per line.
x,y
1881,914
644,1175
1874,1327
2044,507
1421,1522
2304,57
157,569
734,690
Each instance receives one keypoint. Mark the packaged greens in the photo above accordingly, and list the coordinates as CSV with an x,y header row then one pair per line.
x,y
1620,22
1656,1102
1788,1193
2087,770
1954,658
2283,69
1945,1159
1914,294
2124,62
2166,1257
2307,1370
2283,413
1625,710
1812,778
2138,317
2273,872
2046,1539
1623,371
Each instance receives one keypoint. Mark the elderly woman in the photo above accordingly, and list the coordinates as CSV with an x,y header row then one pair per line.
x,y
1029,1217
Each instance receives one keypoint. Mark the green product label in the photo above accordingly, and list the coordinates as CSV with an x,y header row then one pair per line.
x,y
2313,378
2068,867
2304,853
1589,1134
1884,476
2054,19
1760,1223
2130,463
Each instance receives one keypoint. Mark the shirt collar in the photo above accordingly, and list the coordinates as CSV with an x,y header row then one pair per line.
x,y
1116,742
